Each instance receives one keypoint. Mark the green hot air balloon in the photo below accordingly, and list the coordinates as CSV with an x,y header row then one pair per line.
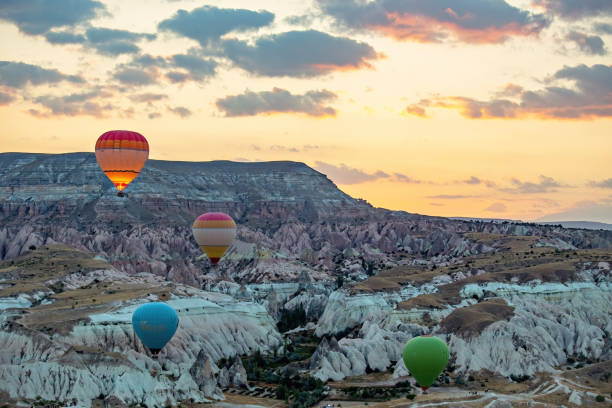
x,y
425,357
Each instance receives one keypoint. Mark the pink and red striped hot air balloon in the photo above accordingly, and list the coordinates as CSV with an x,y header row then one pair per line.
x,y
121,155
214,233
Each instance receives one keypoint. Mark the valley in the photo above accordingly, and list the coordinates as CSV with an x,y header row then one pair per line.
x,y
313,303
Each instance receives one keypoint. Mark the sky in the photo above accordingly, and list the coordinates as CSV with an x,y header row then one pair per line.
x,y
474,108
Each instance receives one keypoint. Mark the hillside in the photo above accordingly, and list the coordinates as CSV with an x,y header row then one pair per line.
x,y
317,286
291,218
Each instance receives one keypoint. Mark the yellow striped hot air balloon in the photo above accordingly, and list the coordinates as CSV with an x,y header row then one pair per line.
x,y
121,155
214,233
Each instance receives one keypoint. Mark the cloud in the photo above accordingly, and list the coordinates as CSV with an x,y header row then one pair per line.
x,y
607,183
589,97
106,41
576,9
147,97
511,90
474,109
279,148
301,20
180,111
72,105
402,178
603,28
473,180
146,69
208,24
416,110
115,42
299,54
600,211
6,99
471,21
135,77
497,208
65,37
102,35
343,174
19,74
545,185
154,115
197,68
312,103
451,196
589,44
39,16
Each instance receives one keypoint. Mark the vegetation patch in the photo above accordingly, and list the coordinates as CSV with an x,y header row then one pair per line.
x,y
472,320
299,391
29,272
378,393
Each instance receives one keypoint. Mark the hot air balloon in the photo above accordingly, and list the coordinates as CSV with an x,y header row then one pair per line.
x,y
121,154
155,323
214,232
425,357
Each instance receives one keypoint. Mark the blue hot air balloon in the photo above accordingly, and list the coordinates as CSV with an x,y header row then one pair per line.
x,y
155,324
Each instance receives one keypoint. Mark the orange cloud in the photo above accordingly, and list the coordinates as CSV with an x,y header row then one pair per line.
x,y
590,98
405,27
475,21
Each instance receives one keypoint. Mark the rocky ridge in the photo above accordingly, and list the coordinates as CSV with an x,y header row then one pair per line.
x,y
291,219
513,299
45,351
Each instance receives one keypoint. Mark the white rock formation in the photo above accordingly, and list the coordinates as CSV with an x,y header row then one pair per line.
x,y
575,398
375,347
344,311
540,335
101,356
551,322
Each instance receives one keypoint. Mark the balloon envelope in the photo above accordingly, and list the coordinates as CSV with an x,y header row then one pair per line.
x,y
121,155
214,233
425,357
155,324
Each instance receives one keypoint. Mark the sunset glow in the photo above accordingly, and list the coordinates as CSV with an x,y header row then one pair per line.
x,y
446,108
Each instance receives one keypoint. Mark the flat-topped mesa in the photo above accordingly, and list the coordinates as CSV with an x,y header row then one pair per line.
x,y
52,177
286,212
70,184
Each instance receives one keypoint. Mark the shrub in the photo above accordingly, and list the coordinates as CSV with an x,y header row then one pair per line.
x,y
411,396
282,392
291,319
403,384
600,398
32,247
459,380
519,378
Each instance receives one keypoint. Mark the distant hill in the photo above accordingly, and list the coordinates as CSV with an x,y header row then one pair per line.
x,y
291,219
495,220
592,225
